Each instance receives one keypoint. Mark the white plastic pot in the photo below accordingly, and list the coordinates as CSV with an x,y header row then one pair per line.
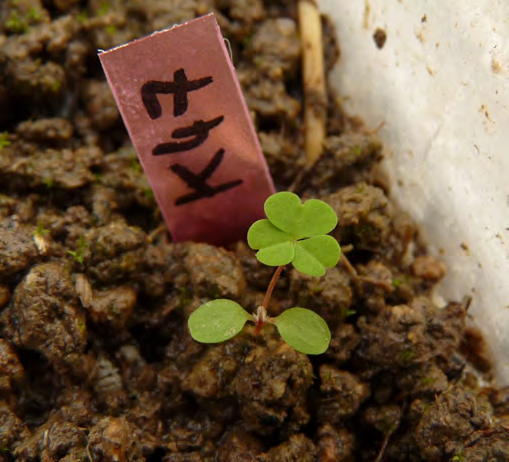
x,y
440,84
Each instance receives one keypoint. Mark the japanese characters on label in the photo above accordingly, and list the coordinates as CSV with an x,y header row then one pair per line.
x,y
183,107
194,135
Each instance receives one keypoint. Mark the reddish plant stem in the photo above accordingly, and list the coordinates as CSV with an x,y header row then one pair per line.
x,y
262,317
384,446
272,284
258,328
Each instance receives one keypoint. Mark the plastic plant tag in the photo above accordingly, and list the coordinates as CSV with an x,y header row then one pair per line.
x,y
183,107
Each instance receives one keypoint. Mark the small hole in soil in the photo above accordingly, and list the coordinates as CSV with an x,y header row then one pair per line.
x,y
294,87
41,390
94,68
152,343
141,217
157,455
360,256
113,138
269,124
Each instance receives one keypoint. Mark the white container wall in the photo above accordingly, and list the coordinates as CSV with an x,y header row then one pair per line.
x,y
441,86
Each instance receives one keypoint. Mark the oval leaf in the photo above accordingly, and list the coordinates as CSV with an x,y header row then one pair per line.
x,y
304,330
263,233
277,255
217,321
315,254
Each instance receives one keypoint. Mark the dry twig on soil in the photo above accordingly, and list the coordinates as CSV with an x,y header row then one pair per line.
x,y
315,94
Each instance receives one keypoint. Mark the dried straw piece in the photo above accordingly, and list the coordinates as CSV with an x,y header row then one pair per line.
x,y
315,94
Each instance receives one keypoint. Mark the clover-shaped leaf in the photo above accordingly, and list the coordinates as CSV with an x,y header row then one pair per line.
x,y
217,321
304,330
286,212
315,254
296,233
276,246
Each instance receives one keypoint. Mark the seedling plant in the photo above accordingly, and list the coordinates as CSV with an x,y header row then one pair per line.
x,y
78,255
293,233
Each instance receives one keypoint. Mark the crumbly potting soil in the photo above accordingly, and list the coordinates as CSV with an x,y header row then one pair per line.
x,y
96,361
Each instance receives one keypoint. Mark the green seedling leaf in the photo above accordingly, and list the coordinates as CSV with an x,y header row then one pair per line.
x,y
217,321
315,254
77,256
277,255
282,209
4,140
304,330
263,233
276,245
296,233
286,211
40,230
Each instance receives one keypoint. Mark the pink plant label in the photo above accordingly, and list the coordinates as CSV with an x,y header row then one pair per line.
x,y
183,107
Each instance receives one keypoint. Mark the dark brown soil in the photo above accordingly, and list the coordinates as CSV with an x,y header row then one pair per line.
x,y
96,361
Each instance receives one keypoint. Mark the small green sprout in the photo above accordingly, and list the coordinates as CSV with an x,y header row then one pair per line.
x,y
397,282
258,61
81,17
34,14
16,24
40,230
297,234
40,240
135,166
103,9
428,381
459,457
345,313
407,356
148,193
78,255
292,233
55,86
4,140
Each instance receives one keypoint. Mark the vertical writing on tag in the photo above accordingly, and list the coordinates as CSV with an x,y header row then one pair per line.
x,y
194,135
186,116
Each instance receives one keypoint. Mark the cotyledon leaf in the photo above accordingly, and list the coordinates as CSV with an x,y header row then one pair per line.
x,y
304,330
217,321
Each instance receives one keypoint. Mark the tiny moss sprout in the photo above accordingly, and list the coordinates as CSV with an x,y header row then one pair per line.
x,y
56,86
459,457
104,9
39,235
16,24
293,233
78,255
135,166
34,14
4,140
81,17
